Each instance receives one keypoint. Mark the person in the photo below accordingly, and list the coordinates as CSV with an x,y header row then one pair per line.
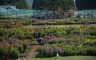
x,y
39,40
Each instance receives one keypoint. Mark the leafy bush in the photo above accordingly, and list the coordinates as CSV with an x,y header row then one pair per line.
x,y
66,51
20,33
22,48
14,53
3,51
90,51
48,52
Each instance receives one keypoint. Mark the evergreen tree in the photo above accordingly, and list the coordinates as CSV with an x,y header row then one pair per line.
x,y
53,5
22,4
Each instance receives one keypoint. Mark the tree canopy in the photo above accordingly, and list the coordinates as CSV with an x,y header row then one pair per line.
x,y
22,4
53,5
85,4
59,4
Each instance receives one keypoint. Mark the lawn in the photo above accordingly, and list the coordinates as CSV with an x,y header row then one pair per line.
x,y
68,58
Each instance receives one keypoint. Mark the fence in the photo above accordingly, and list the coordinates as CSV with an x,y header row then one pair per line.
x,y
12,12
85,14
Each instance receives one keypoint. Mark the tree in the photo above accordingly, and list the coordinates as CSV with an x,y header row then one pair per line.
x,y
85,4
3,2
22,4
54,5
8,2
59,5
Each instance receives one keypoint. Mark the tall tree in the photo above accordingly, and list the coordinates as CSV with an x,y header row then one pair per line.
x,y
8,2
85,4
3,2
54,5
59,4
22,4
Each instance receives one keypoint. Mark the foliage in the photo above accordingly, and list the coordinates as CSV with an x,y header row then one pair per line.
x,y
54,5
3,51
14,53
66,51
17,33
22,4
23,48
71,40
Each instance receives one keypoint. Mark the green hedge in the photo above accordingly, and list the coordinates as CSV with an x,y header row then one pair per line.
x,y
13,53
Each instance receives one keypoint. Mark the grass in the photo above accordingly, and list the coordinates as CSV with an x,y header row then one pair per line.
x,y
68,58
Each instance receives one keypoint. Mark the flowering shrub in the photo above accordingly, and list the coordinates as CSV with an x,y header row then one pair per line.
x,y
49,52
3,50
66,51
51,39
19,33
12,54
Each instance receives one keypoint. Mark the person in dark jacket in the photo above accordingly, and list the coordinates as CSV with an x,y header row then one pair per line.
x,y
39,40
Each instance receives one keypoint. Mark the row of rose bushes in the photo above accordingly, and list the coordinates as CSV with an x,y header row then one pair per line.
x,y
16,33
70,32
73,40
86,34
12,52
66,51
14,48
63,21
11,23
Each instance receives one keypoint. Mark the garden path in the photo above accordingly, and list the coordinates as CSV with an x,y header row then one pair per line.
x,y
32,52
